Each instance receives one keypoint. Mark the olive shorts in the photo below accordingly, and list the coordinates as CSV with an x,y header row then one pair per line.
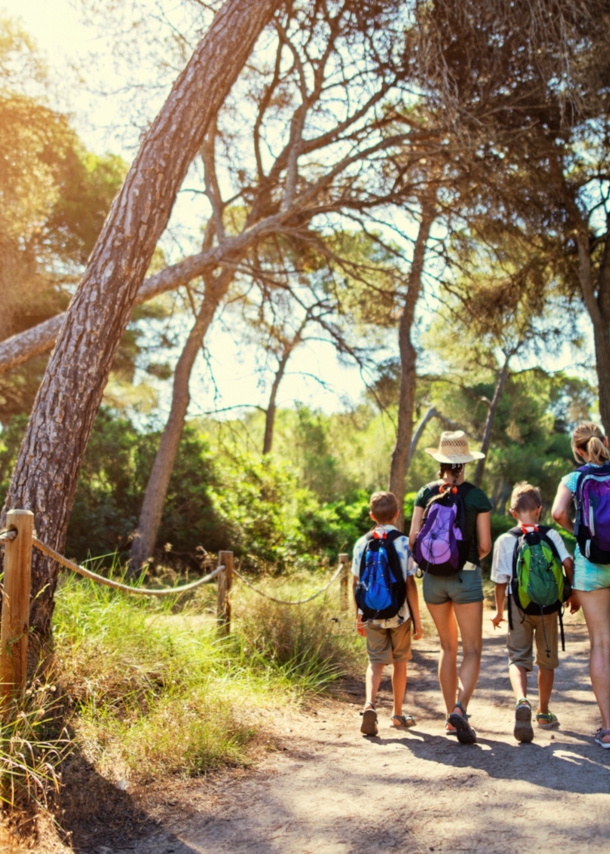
x,y
462,588
384,646
520,639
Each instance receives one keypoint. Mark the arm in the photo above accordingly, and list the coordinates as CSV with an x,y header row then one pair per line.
x,y
418,513
359,623
573,602
484,534
561,508
413,600
500,592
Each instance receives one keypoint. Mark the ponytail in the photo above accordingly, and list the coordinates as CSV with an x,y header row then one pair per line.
x,y
597,451
588,437
455,469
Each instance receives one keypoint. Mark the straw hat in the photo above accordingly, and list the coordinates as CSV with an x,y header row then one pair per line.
x,y
453,448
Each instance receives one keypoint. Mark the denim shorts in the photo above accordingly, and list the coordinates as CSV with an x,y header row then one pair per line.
x,y
589,576
462,588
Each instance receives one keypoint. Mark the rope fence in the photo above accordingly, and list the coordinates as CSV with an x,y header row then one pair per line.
x,y
117,585
284,601
19,538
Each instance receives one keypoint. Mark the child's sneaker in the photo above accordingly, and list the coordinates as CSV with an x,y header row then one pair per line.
x,y
547,721
523,730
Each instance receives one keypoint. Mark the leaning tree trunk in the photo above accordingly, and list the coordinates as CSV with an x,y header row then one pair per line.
x,y
408,363
491,416
46,473
163,466
270,413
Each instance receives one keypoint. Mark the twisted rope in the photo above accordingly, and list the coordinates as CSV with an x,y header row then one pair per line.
x,y
283,601
93,576
7,535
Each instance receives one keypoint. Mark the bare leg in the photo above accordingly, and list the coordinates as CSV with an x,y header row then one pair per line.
x,y
446,626
399,685
470,621
596,608
518,680
374,673
545,686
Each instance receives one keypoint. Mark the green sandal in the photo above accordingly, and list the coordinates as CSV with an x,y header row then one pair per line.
x,y
547,721
523,730
404,721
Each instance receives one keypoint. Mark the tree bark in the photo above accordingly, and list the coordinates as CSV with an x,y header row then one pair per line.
x,y
270,413
158,482
49,462
408,361
491,415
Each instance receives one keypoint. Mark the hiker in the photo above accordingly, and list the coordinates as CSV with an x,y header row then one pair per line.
x,y
588,488
529,561
387,607
450,533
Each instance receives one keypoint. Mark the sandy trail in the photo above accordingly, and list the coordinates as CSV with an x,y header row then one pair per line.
x,y
331,791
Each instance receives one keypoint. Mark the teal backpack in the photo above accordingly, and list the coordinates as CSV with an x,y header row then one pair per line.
x,y
539,586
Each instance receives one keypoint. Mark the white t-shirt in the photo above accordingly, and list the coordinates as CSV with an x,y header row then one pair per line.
x,y
401,544
504,548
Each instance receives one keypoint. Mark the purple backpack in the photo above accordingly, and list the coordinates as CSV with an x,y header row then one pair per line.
x,y
440,548
592,524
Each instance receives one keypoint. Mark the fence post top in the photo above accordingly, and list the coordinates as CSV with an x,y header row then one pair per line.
x,y
20,513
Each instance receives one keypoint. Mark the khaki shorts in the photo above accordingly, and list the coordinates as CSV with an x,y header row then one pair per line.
x,y
383,646
520,639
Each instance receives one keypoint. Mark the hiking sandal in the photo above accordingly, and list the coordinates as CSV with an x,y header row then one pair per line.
x,y
369,721
465,733
523,730
547,721
599,735
404,721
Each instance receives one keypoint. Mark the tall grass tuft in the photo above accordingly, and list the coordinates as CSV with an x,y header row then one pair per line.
x,y
33,745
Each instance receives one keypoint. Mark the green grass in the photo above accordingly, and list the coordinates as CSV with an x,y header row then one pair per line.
x,y
154,690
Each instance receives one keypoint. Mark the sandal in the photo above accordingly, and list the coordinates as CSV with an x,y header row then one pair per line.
x,y
465,733
404,721
547,721
369,721
523,730
599,735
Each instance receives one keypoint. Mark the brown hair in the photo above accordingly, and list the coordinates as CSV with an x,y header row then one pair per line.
x,y
525,498
384,507
454,469
588,437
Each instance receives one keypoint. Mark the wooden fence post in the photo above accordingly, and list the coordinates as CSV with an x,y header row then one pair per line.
x,y
344,561
225,582
16,604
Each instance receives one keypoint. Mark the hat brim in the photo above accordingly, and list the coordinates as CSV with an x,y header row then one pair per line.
x,y
455,458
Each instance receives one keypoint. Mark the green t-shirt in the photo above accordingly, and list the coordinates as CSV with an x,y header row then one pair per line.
x,y
475,502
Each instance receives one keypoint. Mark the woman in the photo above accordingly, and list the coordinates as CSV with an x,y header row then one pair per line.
x,y
591,579
456,600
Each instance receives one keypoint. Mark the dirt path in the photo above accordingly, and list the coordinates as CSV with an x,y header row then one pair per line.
x,y
331,791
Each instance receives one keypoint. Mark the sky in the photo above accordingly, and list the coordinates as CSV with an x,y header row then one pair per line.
x,y
61,36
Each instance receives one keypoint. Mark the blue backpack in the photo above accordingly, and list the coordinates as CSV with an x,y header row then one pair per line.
x,y
381,590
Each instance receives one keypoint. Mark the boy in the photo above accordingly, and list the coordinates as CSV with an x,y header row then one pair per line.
x,y
525,507
388,641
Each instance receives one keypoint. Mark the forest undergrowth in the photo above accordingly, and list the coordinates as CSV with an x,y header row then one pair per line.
x,y
140,690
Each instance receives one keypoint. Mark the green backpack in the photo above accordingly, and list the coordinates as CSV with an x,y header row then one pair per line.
x,y
538,584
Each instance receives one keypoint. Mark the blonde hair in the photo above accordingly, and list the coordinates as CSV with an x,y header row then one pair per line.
x,y
384,507
525,498
588,437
